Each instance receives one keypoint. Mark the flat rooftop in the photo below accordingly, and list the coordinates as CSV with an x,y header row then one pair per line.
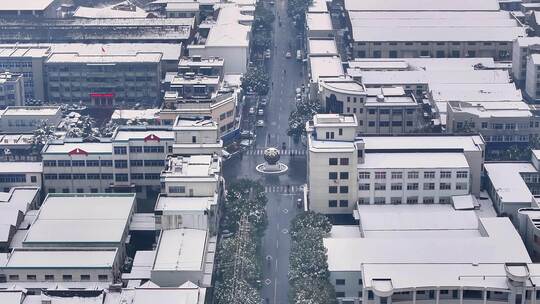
x,y
81,218
426,64
475,92
46,259
333,120
126,134
177,203
433,77
414,160
88,147
325,66
193,166
181,250
508,182
499,244
30,111
415,142
318,21
102,59
28,5
322,46
494,109
422,5
127,114
21,167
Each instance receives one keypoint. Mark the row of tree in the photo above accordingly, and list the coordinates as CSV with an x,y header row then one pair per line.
x,y
297,9
303,113
308,266
238,275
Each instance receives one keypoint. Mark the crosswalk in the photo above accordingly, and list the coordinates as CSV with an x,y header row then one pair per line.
x,y
283,189
286,152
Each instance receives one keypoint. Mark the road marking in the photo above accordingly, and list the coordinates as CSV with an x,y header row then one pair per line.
x,y
267,281
268,257
277,244
285,210
285,231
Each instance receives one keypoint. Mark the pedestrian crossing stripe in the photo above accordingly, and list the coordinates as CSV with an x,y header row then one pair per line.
x,y
283,189
287,152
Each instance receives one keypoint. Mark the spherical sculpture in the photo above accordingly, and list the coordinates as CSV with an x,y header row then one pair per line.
x,y
271,155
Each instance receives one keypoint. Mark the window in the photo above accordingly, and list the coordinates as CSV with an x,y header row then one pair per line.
x,y
64,163
135,149
332,175
429,200
78,163
154,149
461,186
371,124
412,175
446,174
340,281
429,186
151,176
380,201
332,161
136,163
332,203
429,174
444,200
79,176
340,294
13,277
31,277
106,163
50,176
392,54
177,189
343,189
445,186
49,163
462,174
395,200
64,176
363,175
85,277
397,175
137,176
396,186
120,163
412,200
363,187
92,163
380,175
154,163
121,177
120,150
340,131
332,189
412,186
344,161
343,175
343,203
379,186
103,277
106,176
67,277
49,277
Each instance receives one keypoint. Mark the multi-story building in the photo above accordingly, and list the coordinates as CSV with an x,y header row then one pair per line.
x,y
20,174
17,147
34,9
522,48
378,110
532,82
319,25
27,119
344,170
438,29
498,122
11,90
429,254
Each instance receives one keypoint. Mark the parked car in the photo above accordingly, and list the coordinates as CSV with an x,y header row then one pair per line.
x,y
260,123
246,134
263,102
288,55
267,54
252,111
260,112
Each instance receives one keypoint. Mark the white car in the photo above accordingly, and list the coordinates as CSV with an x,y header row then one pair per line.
x,y
260,123
252,111
260,112
288,55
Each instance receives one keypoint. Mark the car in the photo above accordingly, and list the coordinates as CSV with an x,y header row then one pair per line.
x,y
288,55
272,3
267,54
260,112
246,134
260,123
298,90
263,102
252,111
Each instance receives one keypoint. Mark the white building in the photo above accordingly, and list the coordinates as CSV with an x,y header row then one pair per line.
x,y
27,119
522,48
344,170
428,254
11,89
319,25
196,137
20,174
14,206
42,8
532,84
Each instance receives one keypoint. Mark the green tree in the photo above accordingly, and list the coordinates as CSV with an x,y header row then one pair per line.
x,y
245,198
264,17
313,291
298,118
261,41
256,80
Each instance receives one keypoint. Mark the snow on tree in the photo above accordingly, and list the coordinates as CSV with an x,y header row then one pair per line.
x,y
44,133
303,113
313,291
83,128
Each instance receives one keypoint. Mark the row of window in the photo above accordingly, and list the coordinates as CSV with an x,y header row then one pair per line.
x,y
102,176
342,161
51,277
139,149
437,43
411,200
334,189
104,163
430,294
413,175
411,186
427,53
334,175
16,178
498,126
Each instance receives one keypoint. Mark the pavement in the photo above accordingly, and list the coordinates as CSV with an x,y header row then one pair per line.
x,y
282,191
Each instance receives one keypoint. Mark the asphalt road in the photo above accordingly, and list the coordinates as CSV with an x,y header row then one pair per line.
x,y
282,191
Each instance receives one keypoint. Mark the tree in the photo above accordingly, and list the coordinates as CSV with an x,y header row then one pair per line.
x,y
256,80
297,10
309,221
42,135
261,41
298,118
313,291
264,17
245,198
83,128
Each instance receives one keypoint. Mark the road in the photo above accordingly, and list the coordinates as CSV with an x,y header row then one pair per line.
x,y
282,191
